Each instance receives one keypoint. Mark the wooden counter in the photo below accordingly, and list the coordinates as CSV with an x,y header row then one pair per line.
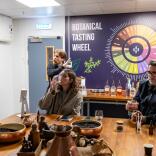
x,y
93,99
126,143
103,97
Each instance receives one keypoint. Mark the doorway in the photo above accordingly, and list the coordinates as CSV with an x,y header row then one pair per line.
x,y
37,62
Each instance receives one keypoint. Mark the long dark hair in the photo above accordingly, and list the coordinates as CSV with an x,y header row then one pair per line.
x,y
72,76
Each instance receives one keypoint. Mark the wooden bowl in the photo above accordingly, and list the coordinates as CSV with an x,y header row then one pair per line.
x,y
11,132
89,128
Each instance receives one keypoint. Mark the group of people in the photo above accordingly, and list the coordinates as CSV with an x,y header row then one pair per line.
x,y
63,96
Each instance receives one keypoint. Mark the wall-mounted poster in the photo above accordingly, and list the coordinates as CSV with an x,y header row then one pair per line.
x,y
111,47
49,57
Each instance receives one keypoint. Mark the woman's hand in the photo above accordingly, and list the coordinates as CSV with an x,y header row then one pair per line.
x,y
53,85
66,64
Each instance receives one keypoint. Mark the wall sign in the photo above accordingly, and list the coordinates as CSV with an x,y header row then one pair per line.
x,y
43,26
111,47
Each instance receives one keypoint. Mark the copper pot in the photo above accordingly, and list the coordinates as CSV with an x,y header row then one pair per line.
x,y
11,132
89,128
62,144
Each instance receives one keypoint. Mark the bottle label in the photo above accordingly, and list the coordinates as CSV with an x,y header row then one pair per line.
x,y
112,90
119,90
106,89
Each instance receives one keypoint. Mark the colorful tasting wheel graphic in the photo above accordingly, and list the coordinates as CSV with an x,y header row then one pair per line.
x,y
133,47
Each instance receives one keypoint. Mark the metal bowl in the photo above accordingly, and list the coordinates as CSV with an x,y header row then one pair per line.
x,y
11,132
89,128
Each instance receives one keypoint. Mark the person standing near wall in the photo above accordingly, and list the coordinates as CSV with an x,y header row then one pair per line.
x,y
58,64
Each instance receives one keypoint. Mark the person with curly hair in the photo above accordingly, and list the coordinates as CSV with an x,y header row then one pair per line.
x,y
62,97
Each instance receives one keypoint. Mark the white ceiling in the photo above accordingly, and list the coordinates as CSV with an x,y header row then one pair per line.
x,y
14,9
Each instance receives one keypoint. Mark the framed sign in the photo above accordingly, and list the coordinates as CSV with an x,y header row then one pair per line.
x,y
23,100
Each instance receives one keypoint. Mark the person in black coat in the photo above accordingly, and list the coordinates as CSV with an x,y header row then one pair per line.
x,y
57,65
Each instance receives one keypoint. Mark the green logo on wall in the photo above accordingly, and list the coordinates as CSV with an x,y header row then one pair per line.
x,y
91,64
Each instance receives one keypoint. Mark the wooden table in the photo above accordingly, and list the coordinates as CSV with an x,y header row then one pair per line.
x,y
92,97
126,143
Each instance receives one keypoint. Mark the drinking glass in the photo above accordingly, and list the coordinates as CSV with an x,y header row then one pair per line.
x,y
148,149
119,126
99,115
131,106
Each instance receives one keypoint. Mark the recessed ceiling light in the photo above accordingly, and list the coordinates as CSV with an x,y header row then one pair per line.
x,y
39,3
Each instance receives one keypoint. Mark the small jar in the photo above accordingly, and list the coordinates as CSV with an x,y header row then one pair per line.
x,y
27,120
119,126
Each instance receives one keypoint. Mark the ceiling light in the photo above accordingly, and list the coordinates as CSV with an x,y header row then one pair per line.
x,y
39,3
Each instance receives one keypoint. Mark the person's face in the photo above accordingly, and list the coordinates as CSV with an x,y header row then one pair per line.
x,y
152,74
57,59
64,80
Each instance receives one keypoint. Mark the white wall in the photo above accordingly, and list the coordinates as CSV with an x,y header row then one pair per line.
x,y
6,80
14,60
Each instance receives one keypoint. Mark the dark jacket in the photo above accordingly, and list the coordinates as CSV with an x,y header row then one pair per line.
x,y
146,97
53,69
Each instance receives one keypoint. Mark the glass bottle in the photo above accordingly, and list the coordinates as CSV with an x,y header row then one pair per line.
x,y
137,85
138,122
128,87
132,90
84,91
34,136
151,128
113,89
107,88
83,86
119,89
38,116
